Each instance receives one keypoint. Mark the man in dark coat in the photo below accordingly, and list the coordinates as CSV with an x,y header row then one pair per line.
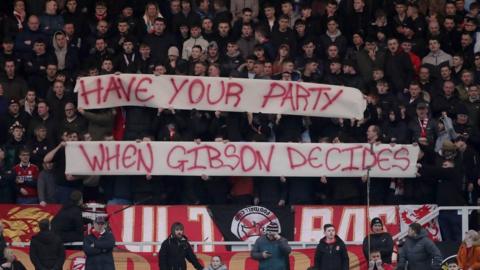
x,y
419,251
331,253
68,223
46,249
175,249
98,247
379,240
398,67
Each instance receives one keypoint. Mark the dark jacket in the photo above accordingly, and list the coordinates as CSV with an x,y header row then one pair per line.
x,y
68,223
7,194
279,250
420,252
173,253
47,251
139,122
159,45
99,251
382,242
449,184
398,70
331,256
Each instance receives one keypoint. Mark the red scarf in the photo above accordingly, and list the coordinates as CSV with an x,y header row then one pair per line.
x,y
20,19
95,233
423,127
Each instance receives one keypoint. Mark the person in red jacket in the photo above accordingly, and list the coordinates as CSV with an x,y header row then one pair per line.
x,y
26,175
376,263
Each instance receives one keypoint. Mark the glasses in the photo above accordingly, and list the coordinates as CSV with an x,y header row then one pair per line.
x,y
69,110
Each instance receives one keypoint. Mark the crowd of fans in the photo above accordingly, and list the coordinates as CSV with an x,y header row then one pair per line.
x,y
416,61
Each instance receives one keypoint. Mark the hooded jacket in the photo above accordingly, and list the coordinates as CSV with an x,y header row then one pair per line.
x,y
47,251
331,256
419,252
469,257
67,57
174,251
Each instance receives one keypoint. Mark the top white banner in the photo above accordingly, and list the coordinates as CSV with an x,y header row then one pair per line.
x,y
220,94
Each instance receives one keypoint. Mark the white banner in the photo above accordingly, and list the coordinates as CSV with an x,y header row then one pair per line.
x,y
240,159
220,94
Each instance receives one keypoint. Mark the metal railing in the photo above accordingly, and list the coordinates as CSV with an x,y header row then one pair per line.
x,y
463,211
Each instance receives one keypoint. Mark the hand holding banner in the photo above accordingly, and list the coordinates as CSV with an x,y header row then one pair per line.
x,y
240,159
222,94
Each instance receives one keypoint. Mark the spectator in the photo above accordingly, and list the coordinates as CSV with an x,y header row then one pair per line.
x,y
66,56
24,40
50,21
196,39
376,263
15,22
246,42
159,40
331,252
68,223
216,264
44,118
418,251
26,179
10,261
7,187
46,248
39,145
13,84
271,249
98,246
333,35
398,67
175,249
378,241
46,185
468,253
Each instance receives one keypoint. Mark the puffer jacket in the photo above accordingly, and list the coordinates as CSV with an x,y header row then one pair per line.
x,y
419,252
469,258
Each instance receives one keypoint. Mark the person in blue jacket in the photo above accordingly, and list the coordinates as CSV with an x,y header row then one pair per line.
x,y
271,249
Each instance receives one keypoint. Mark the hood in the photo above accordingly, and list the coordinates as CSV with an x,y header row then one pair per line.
x,y
422,234
45,238
55,45
335,35
398,116
236,54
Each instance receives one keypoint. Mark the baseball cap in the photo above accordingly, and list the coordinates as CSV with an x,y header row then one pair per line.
x,y
100,219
